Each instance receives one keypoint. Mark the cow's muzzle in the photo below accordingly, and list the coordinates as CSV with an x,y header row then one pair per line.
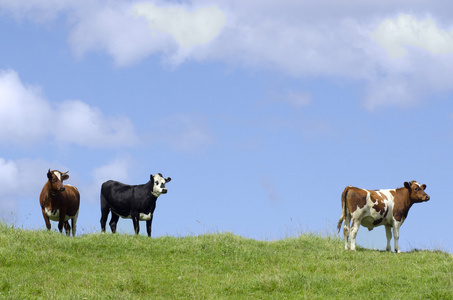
x,y
164,191
62,189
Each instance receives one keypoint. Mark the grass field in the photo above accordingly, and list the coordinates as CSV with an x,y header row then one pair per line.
x,y
46,265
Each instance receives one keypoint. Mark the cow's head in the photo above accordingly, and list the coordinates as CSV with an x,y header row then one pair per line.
x,y
416,191
56,180
159,184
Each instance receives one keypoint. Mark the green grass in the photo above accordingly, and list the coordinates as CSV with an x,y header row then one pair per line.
x,y
46,265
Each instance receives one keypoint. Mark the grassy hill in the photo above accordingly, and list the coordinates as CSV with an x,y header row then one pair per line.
x,y
47,265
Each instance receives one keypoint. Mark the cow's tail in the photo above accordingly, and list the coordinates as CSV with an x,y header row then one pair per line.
x,y
343,208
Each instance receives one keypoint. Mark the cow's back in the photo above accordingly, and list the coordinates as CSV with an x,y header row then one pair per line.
x,y
117,196
113,189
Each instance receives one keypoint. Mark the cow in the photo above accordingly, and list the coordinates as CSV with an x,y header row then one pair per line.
x,y
136,202
378,207
60,202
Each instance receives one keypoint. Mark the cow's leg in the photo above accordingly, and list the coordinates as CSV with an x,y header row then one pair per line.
x,y
346,226
104,212
388,233
135,221
67,228
113,222
396,235
354,230
60,226
148,226
104,217
61,221
74,224
46,219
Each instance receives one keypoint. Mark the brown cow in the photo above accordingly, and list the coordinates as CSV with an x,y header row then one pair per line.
x,y
379,207
60,202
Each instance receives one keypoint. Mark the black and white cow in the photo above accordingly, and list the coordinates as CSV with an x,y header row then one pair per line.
x,y
136,202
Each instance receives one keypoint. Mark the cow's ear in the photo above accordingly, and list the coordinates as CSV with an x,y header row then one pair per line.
x,y
424,186
49,175
151,178
168,179
407,185
64,177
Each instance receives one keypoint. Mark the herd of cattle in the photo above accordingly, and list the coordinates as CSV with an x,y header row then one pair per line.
x,y
369,208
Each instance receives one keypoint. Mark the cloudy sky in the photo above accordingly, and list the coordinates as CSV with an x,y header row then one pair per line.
x,y
260,111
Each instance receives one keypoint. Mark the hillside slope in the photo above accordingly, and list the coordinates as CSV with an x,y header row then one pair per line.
x,y
47,265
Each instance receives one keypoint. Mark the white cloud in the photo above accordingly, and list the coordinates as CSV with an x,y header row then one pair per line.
x,y
300,39
189,28
118,169
9,179
27,117
82,124
416,52
23,110
20,178
120,29
115,30
23,177
406,30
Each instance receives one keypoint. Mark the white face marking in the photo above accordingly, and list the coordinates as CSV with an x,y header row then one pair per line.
x,y
58,174
157,185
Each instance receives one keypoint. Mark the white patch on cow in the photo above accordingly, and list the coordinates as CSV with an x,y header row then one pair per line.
x,y
141,217
146,217
58,174
55,216
370,215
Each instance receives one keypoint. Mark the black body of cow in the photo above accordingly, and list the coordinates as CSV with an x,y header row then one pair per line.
x,y
137,202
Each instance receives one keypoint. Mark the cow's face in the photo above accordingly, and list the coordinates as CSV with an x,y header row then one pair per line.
x,y
56,180
159,184
417,191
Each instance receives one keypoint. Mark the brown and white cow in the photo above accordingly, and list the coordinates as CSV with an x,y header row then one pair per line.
x,y
60,202
378,207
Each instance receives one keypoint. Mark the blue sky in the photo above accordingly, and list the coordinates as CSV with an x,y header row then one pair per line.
x,y
261,112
